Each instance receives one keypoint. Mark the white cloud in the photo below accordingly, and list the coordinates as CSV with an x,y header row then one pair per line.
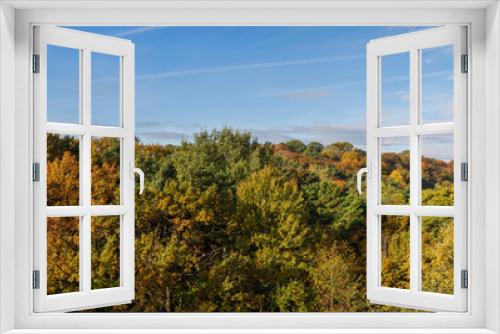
x,y
438,74
165,125
438,147
306,94
402,95
434,146
163,136
325,133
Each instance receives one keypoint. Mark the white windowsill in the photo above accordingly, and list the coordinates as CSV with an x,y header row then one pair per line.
x,y
255,331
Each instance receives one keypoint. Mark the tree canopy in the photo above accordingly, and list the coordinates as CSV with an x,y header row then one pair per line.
x,y
228,224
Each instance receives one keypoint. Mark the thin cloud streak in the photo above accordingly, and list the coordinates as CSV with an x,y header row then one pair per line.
x,y
136,31
321,91
245,67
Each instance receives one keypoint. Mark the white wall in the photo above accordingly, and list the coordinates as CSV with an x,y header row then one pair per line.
x,y
492,212
7,147
7,133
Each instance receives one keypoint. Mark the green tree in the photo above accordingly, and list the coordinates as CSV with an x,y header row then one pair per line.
x,y
272,223
296,145
337,287
437,254
313,149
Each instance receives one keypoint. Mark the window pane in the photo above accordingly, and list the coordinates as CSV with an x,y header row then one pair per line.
x,y
437,254
63,170
395,249
105,252
63,254
105,89
105,171
437,84
437,170
395,170
395,89
63,84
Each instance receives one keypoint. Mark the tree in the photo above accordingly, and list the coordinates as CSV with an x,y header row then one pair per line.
x,y
313,149
221,158
62,255
105,252
57,145
292,297
336,150
296,145
395,246
272,224
63,181
322,200
271,210
105,153
395,178
437,254
336,285
351,162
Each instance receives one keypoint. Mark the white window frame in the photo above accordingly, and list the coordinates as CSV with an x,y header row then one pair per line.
x,y
413,44
16,21
85,44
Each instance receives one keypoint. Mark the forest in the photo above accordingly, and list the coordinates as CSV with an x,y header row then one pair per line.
x,y
229,224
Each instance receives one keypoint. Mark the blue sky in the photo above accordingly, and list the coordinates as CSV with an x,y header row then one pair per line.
x,y
278,82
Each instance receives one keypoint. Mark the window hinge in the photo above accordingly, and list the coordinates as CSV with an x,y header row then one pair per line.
x,y
36,63
464,279
465,64
36,172
36,279
464,171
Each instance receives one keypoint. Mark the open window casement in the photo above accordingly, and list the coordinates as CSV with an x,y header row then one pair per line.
x,y
406,82
84,148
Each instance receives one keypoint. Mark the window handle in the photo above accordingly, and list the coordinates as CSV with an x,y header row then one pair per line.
x,y
134,170
359,177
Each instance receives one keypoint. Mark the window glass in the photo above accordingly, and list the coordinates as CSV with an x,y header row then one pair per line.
x,y
395,248
105,249
395,170
437,84
437,169
437,254
105,90
63,170
63,254
395,89
105,171
63,84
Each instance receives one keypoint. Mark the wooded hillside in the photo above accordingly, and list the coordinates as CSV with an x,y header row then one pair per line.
x,y
228,224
